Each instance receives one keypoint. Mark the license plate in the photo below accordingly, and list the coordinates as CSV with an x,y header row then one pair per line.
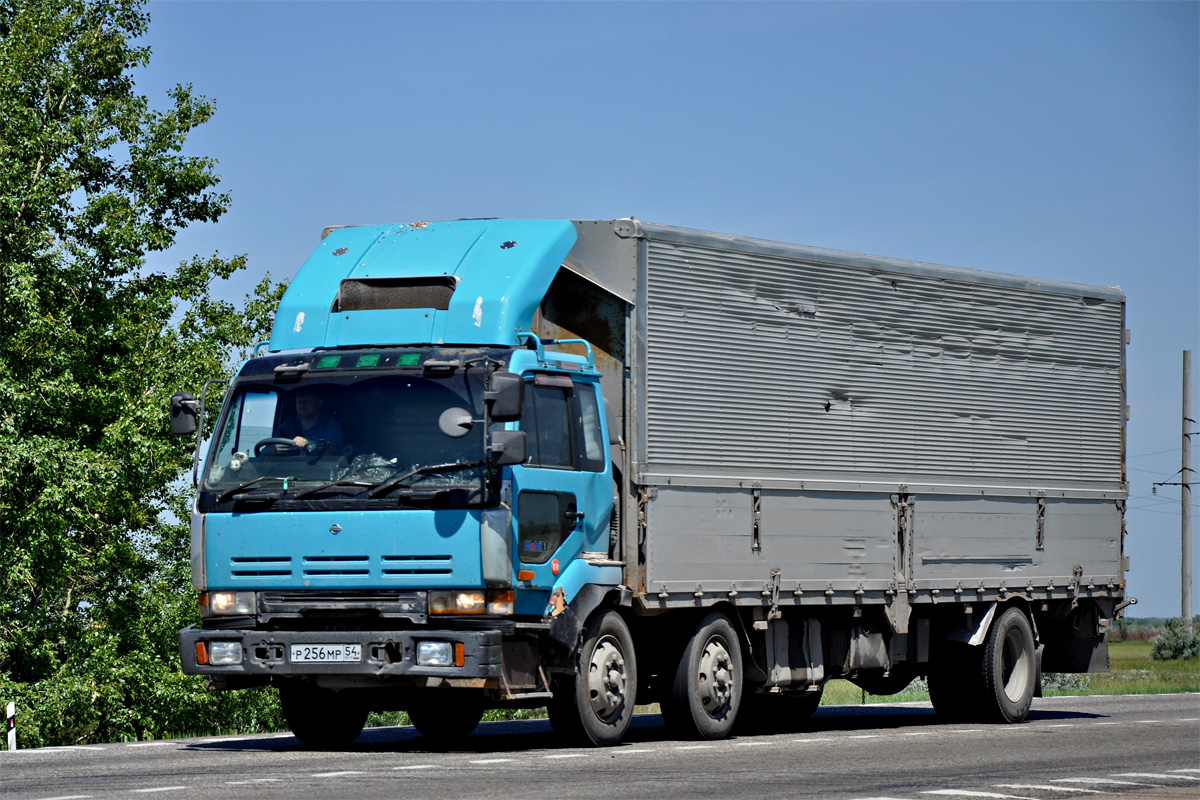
x,y
326,653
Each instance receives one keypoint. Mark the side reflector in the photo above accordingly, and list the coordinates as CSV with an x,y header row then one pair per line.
x,y
525,575
201,653
459,656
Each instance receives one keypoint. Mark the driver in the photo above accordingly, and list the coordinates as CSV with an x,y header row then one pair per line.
x,y
309,424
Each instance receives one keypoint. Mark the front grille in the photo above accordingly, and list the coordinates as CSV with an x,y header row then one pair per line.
x,y
410,605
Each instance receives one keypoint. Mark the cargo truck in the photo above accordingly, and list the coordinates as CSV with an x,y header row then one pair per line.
x,y
587,464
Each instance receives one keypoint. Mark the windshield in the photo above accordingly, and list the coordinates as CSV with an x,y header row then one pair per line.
x,y
356,435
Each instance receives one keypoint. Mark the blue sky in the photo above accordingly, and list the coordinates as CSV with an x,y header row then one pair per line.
x,y
1059,140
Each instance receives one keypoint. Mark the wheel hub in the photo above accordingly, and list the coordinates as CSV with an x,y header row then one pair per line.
x,y
606,678
715,679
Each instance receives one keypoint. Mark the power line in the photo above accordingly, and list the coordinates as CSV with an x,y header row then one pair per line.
x,y
1156,453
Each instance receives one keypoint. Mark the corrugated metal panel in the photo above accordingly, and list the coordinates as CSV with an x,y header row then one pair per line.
x,y
764,364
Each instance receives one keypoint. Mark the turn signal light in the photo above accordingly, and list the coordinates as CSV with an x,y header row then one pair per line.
x,y
201,653
499,602
459,651
525,575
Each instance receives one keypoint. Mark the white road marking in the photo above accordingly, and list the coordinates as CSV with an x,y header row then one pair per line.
x,y
806,741
1155,775
752,744
877,798
160,789
969,730
964,793
567,755
639,750
1106,723
337,774
62,748
695,747
225,739
919,733
68,797
1186,769
252,780
491,761
864,736
1188,719
1074,789
426,766
1062,725
1099,780
150,744
1148,721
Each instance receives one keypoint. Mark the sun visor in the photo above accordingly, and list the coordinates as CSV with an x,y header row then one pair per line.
x,y
463,282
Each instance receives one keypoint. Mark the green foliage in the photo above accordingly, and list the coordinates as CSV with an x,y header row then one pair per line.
x,y
93,580
1176,641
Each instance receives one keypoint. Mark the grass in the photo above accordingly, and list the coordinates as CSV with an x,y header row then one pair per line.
x,y
1132,672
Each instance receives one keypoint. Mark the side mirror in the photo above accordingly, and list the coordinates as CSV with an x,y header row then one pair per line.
x,y
506,396
183,414
507,448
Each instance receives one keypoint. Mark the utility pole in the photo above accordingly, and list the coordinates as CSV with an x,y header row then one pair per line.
x,y
1185,494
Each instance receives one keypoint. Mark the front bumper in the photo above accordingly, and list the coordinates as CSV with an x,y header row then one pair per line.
x,y
385,654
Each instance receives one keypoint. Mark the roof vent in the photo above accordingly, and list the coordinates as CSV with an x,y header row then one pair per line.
x,y
371,294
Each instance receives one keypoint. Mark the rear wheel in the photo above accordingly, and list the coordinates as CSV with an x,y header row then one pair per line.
x,y
1008,671
707,690
320,718
596,703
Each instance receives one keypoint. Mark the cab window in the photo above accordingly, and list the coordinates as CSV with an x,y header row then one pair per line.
x,y
562,422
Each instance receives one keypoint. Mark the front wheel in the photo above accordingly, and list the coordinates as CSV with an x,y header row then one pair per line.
x,y
1009,669
319,718
707,690
596,703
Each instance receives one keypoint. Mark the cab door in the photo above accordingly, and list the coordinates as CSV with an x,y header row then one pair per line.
x,y
562,494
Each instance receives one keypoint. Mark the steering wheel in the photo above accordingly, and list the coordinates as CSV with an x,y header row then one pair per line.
x,y
274,441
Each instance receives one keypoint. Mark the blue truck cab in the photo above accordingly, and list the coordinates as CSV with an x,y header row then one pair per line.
x,y
407,500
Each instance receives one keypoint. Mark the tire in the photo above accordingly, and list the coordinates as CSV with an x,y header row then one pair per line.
x,y
1008,673
321,719
775,713
445,721
595,705
707,690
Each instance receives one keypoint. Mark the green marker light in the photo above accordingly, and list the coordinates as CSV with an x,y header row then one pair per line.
x,y
367,360
328,362
410,359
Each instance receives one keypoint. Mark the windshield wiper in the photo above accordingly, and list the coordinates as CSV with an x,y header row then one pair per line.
x,y
228,493
330,485
383,489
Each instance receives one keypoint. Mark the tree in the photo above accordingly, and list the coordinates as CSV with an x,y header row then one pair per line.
x,y
93,570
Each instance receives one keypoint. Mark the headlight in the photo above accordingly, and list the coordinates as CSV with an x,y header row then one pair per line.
x,y
224,654
457,601
434,654
471,601
231,603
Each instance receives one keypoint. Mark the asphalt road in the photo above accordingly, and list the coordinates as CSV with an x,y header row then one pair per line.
x,y
1144,746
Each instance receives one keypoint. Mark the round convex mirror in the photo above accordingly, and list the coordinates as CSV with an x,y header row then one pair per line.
x,y
455,422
